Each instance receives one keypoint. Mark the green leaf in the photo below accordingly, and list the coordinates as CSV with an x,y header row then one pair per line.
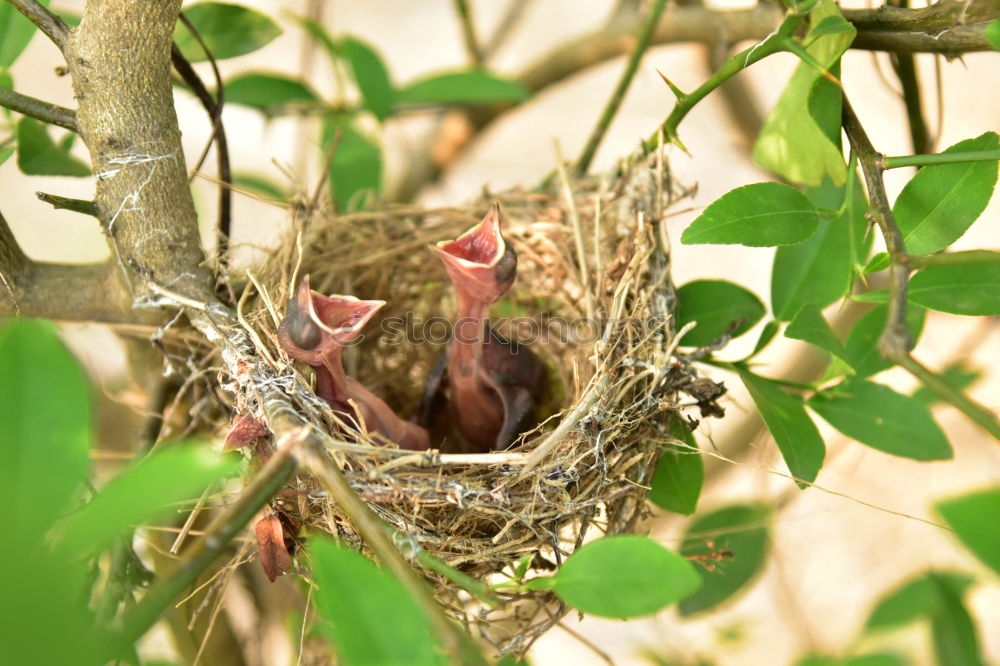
x,y
962,289
821,269
791,143
719,307
942,201
959,375
766,335
356,167
758,215
623,577
469,87
879,262
915,599
794,432
992,34
877,659
269,93
45,428
876,415
5,154
371,618
39,155
833,24
371,76
810,326
319,34
974,519
265,187
679,474
142,493
740,529
15,33
862,342
227,30
953,632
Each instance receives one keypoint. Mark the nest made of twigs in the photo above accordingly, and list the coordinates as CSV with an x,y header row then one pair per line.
x,y
593,299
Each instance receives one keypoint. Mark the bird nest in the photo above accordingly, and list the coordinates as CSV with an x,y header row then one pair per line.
x,y
593,299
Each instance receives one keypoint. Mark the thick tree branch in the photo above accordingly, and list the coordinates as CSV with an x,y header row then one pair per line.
x,y
126,117
36,108
46,21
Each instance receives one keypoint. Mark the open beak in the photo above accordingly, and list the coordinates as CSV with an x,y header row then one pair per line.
x,y
480,261
319,324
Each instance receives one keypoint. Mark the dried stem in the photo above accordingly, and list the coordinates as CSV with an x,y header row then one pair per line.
x,y
618,95
36,108
67,203
46,21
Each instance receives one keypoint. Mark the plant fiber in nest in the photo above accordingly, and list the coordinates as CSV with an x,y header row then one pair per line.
x,y
593,278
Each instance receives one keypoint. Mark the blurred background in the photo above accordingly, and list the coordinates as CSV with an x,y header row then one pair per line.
x,y
835,549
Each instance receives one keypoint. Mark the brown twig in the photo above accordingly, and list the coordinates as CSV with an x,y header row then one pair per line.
x,y
36,108
46,21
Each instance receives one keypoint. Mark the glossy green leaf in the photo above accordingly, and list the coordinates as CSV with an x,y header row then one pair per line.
x,y
953,632
623,577
719,307
862,342
974,519
758,215
15,33
879,262
879,417
992,34
877,659
45,428
259,185
356,167
371,619
810,326
914,600
679,474
942,201
959,375
228,31
466,87
270,93
371,76
321,36
791,143
821,269
741,530
39,155
962,289
144,492
785,417
767,334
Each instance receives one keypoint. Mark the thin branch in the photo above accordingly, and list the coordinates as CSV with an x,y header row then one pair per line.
x,y
978,414
906,71
940,158
46,21
954,258
618,95
67,203
36,108
472,48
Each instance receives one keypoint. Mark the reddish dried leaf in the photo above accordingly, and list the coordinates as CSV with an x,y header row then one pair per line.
x,y
245,430
274,557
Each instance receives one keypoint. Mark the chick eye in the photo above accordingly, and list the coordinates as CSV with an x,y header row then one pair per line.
x,y
303,333
505,269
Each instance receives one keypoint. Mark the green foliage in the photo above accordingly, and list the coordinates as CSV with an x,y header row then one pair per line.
x,y
370,617
767,334
228,31
958,375
371,76
883,419
15,33
942,201
260,185
758,215
39,155
974,519
862,342
964,289
356,164
739,529
992,34
623,577
821,269
916,599
810,326
877,659
469,87
792,143
679,474
785,417
953,632
269,93
719,307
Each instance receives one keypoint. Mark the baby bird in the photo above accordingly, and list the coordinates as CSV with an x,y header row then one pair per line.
x,y
315,330
493,383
